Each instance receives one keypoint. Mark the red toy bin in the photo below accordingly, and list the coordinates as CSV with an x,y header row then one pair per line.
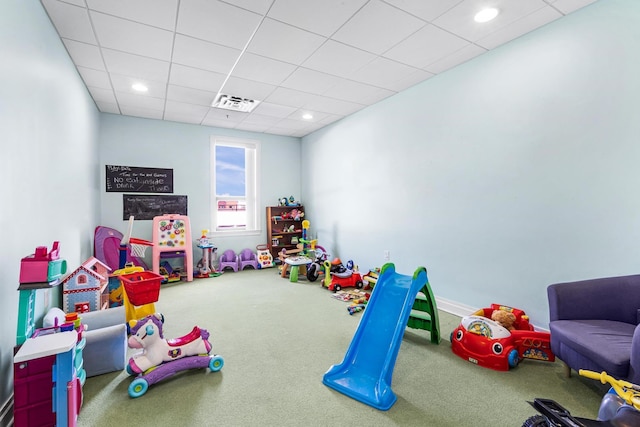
x,y
142,288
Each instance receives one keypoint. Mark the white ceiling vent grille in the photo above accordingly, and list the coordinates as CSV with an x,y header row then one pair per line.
x,y
234,103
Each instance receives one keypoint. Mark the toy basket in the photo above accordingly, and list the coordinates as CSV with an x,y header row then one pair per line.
x,y
142,288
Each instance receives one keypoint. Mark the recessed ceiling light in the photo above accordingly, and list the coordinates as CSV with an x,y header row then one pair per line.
x,y
307,116
139,87
486,15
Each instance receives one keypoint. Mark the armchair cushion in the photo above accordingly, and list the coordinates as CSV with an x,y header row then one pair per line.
x,y
594,325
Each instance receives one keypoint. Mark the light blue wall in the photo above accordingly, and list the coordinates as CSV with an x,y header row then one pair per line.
x,y
48,185
508,173
185,148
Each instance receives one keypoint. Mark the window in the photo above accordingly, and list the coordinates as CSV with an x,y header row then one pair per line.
x,y
234,195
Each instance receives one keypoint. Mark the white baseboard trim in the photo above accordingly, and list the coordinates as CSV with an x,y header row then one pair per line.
x,y
6,413
454,307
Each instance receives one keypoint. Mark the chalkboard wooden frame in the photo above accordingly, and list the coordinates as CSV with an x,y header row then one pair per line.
x,y
148,206
133,179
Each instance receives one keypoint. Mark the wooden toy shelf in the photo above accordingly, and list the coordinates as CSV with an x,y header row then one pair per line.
x,y
278,221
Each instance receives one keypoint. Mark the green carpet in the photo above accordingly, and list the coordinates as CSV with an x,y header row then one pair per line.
x,y
278,339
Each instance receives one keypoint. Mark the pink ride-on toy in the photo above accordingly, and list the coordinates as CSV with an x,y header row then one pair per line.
x,y
162,358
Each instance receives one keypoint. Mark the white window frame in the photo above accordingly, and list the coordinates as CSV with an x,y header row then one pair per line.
x,y
252,186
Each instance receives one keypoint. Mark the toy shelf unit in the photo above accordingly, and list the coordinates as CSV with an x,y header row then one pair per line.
x,y
284,228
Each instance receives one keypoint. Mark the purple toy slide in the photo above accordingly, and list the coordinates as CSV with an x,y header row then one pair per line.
x,y
366,371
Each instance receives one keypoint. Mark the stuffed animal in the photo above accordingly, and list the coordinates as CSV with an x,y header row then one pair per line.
x,y
504,318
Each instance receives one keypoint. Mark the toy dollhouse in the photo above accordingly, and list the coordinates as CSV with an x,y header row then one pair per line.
x,y
86,288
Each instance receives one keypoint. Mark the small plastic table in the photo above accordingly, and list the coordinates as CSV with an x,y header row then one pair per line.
x,y
295,263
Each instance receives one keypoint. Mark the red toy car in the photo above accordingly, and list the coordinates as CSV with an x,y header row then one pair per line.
x,y
352,281
485,342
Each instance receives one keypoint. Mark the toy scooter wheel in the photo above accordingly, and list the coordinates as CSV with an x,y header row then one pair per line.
x,y
129,371
312,273
536,421
514,358
336,288
216,363
138,387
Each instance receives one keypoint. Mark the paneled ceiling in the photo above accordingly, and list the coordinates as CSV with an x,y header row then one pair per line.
x,y
322,58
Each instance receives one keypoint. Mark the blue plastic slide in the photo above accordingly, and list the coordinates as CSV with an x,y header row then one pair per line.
x,y
366,371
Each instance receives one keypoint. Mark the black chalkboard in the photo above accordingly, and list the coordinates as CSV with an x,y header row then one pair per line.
x,y
130,179
147,206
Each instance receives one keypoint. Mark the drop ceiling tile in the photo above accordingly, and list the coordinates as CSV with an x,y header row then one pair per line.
x,y
426,46
410,80
284,42
348,90
332,106
516,29
126,99
131,37
156,13
95,78
459,20
568,6
190,95
80,3
274,110
258,6
122,84
289,97
456,58
223,116
310,81
297,115
253,127
195,78
102,95
247,88
385,73
217,22
320,17
136,66
262,69
377,27
181,112
202,54
258,119
145,113
424,9
84,54
338,59
107,107
72,22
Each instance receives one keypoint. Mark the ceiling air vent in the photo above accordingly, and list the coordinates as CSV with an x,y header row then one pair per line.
x,y
234,103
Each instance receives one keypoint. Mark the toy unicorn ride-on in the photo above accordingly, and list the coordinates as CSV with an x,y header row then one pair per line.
x,y
161,358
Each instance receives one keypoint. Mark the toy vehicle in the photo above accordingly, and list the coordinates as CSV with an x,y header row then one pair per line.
x,y
316,268
161,358
354,280
619,407
485,342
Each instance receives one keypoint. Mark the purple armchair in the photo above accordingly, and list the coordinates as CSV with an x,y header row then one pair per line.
x,y
594,325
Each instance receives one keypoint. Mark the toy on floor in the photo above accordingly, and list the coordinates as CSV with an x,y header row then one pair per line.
x,y
485,342
265,259
170,275
317,267
228,259
619,407
161,358
205,268
344,277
